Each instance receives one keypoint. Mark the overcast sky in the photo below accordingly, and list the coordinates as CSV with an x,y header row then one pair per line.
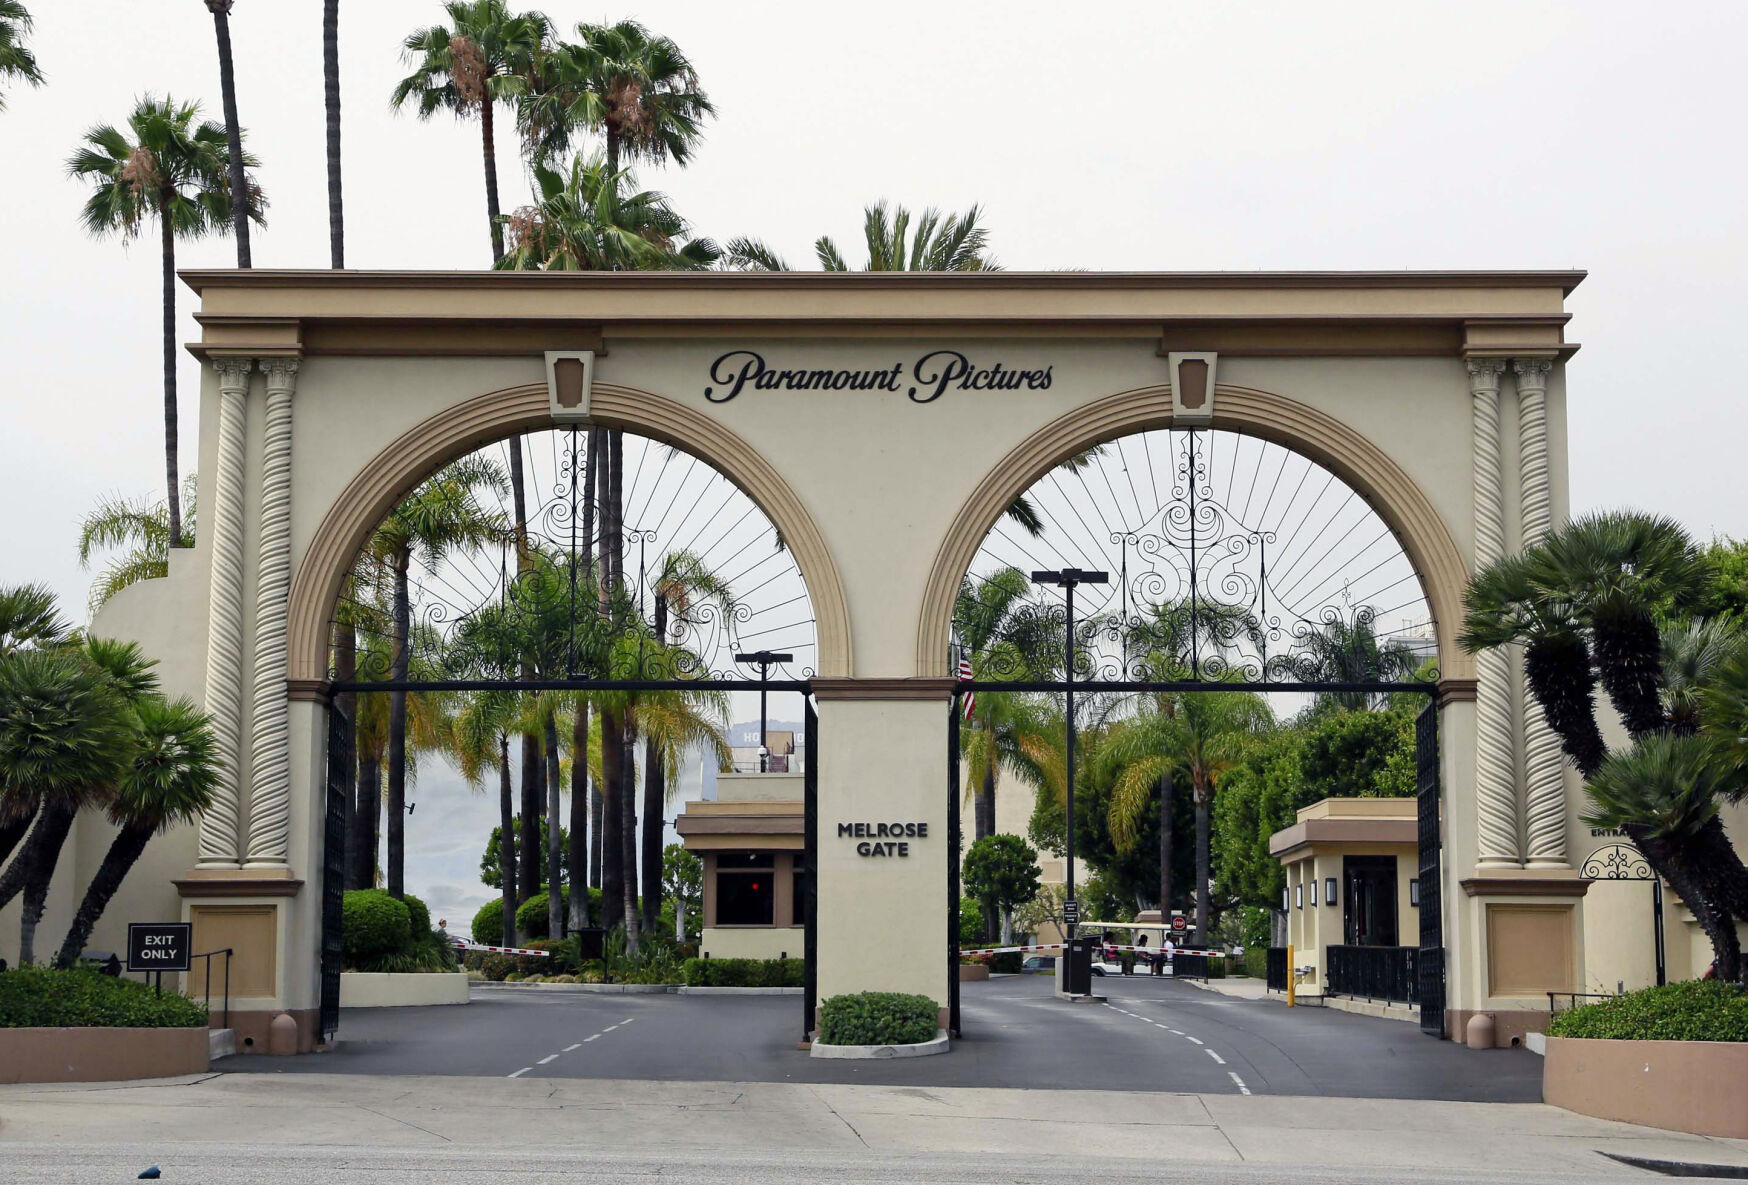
x,y
1162,135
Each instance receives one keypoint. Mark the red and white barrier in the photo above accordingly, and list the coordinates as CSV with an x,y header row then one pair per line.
x,y
1147,950
463,944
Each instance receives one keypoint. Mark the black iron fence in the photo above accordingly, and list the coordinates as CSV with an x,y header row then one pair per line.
x,y
1190,964
1278,971
1373,972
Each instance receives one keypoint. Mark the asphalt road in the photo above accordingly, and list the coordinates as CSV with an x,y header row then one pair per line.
x,y
1151,1035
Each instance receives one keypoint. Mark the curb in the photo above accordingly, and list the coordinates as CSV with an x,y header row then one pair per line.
x,y
685,990
881,1052
606,989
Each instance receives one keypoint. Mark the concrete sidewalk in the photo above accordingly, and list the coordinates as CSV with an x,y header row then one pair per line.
x,y
231,1120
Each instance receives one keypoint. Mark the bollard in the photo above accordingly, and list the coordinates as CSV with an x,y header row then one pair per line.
x,y
282,1035
1480,1031
1292,978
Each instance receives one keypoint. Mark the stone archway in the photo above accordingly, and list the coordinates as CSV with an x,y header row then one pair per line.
x,y
497,414
1354,458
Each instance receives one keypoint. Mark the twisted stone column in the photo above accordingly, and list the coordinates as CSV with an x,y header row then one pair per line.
x,y
269,743
222,524
1495,783
1544,767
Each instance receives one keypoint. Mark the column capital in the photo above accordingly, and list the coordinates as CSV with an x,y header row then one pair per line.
x,y
281,372
1532,373
1484,374
233,372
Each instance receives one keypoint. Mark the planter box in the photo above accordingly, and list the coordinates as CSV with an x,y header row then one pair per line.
x,y
881,1052
973,972
1688,1086
377,989
101,1055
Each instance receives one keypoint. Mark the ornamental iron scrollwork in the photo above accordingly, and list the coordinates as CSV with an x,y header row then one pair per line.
x,y
1616,862
1230,559
702,575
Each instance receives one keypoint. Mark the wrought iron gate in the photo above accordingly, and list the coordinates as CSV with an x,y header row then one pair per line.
x,y
334,867
1432,944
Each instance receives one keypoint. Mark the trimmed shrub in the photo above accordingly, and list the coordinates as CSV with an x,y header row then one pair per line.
x,y
374,923
1693,1010
418,917
743,972
40,997
488,923
531,915
497,968
1006,963
877,1018
1256,962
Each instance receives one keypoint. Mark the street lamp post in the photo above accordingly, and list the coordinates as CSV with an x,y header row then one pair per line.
x,y
766,660
1066,579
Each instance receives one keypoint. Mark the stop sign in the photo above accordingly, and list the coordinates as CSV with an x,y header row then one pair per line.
x,y
1177,923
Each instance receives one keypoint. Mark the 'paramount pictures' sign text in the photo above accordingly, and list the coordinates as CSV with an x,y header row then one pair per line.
x,y
927,378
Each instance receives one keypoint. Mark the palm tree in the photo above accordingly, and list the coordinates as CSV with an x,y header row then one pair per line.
x,y
221,20
170,779
331,104
440,515
481,731
16,60
140,530
637,90
954,243
483,57
1206,734
65,741
582,222
1347,650
29,618
174,170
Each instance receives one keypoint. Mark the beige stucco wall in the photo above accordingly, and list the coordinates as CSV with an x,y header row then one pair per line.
x,y
753,942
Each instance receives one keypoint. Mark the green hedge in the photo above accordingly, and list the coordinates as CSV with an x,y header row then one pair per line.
x,y
877,1018
531,916
1693,1010
1256,962
488,923
743,972
36,997
374,923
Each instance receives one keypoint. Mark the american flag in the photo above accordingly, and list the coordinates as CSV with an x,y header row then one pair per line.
x,y
965,675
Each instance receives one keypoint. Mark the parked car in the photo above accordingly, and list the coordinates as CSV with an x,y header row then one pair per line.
x,y
1038,964
1101,967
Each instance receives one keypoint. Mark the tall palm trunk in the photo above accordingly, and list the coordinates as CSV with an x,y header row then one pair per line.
x,y
397,728
1165,838
1203,801
346,705
983,809
221,19
13,831
655,798
597,812
628,831
579,847
532,806
124,851
506,844
369,816
491,153
555,913
331,100
17,874
173,499
41,853
612,851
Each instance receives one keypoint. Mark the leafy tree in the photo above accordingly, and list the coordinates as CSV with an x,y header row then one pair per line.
x,y
1349,754
682,884
16,60
491,867
167,166
1002,872
954,243
170,778
140,532
483,57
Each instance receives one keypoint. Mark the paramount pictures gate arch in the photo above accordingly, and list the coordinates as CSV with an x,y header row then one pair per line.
x,y
1440,397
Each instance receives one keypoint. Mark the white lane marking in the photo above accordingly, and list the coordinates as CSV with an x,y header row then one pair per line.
x,y
1161,1025
628,1020
578,1045
1190,1039
551,1057
1179,1032
609,1029
521,1072
596,1037
1238,1082
1218,1060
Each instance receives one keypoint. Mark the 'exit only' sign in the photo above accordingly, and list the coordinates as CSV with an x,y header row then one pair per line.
x,y
159,946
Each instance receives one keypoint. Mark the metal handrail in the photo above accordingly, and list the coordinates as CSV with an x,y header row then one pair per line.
x,y
1572,998
226,952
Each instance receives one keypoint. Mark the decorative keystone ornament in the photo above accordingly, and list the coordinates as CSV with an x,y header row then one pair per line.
x,y
570,379
1192,388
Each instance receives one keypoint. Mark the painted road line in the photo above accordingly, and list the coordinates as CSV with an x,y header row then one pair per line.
x,y
578,1045
628,1020
596,1037
551,1057
1238,1082
521,1072
1189,1038
1218,1060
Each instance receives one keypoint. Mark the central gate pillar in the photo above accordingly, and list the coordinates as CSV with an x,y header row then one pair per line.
x,y
883,846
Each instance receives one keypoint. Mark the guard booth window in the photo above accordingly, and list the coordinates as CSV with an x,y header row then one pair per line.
x,y
798,898
745,893
1370,917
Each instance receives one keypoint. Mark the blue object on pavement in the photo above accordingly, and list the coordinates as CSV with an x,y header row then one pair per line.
x,y
150,1174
